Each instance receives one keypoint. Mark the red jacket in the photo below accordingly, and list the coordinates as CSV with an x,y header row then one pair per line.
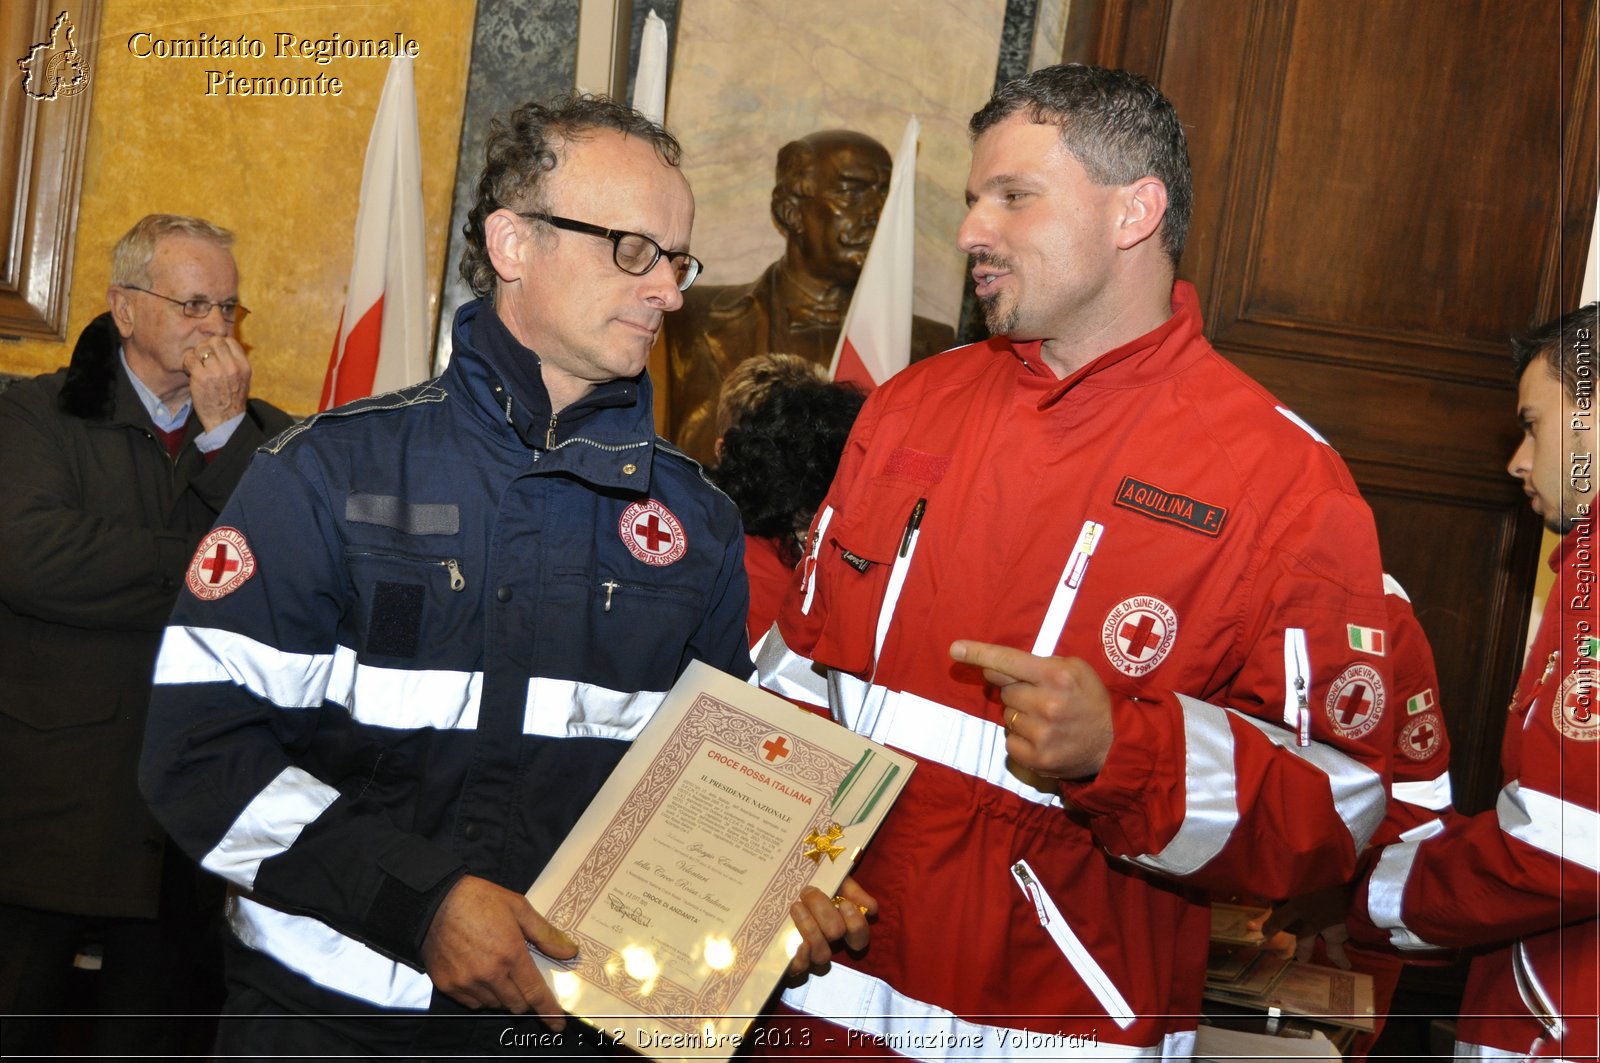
x,y
1520,879
1161,516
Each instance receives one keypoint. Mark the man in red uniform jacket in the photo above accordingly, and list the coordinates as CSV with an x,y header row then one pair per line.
x,y
1124,607
1520,881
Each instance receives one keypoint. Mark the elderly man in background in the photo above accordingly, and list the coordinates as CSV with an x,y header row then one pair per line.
x,y
110,472
830,188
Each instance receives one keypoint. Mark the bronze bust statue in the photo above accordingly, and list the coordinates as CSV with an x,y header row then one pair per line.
x,y
830,188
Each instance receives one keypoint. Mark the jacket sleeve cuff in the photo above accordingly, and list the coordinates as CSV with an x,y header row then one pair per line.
x,y
1132,787
414,885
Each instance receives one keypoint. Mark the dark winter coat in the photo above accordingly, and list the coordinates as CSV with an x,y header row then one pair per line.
x,y
97,524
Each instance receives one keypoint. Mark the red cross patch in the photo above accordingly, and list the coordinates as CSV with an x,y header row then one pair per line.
x,y
221,564
651,533
1138,634
776,747
1575,712
1420,738
1355,701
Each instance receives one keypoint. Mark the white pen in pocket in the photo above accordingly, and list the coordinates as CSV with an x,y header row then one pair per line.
x,y
1055,617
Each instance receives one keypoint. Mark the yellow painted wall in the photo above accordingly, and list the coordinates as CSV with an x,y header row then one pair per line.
x,y
283,172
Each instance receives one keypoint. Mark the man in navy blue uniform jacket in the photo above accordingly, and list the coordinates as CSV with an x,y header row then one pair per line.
x,y
430,622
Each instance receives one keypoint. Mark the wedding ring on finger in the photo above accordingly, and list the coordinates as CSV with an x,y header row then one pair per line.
x,y
841,899
1012,719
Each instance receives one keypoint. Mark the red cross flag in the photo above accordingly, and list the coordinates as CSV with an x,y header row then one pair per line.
x,y
875,342
382,342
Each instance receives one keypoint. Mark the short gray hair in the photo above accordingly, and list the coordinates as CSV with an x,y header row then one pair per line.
x,y
130,258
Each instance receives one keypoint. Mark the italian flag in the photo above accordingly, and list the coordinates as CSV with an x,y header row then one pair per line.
x,y
1421,703
382,343
1366,639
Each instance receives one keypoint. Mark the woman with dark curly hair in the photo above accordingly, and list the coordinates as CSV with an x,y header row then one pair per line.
x,y
777,460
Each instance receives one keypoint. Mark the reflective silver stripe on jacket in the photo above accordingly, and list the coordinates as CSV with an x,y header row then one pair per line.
x,y
563,708
881,1016
783,671
213,655
1357,790
1564,830
1466,1050
405,698
1211,810
322,955
1432,794
1211,796
934,732
269,824
400,698
1386,887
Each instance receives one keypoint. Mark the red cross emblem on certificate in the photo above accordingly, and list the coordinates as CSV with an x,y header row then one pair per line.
x,y
775,749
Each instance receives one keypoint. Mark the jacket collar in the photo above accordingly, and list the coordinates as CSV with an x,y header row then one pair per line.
x,y
1163,351
91,388
607,437
97,388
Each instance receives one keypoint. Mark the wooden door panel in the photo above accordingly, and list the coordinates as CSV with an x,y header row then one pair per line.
x,y
1385,191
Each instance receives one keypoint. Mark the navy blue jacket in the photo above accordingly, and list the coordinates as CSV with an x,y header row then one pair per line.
x,y
422,634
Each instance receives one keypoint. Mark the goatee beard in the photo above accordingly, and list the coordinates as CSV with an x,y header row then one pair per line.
x,y
1001,321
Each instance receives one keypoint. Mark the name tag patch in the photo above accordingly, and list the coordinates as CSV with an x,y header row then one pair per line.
x,y
1152,501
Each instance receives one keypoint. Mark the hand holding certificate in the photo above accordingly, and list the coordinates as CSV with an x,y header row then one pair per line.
x,y
677,881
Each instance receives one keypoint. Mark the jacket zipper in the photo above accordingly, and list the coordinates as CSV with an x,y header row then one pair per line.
x,y
1092,974
1297,685
458,582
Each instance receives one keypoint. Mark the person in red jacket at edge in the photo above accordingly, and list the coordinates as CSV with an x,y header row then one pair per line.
x,y
1120,603
1313,927
1518,884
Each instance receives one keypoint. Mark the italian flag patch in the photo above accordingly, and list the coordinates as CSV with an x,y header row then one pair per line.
x,y
1366,639
1421,703
1590,648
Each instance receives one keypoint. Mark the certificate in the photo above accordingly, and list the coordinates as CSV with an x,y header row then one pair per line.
x,y
676,882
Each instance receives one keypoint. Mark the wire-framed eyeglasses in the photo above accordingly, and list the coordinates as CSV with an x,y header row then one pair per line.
x,y
633,253
232,310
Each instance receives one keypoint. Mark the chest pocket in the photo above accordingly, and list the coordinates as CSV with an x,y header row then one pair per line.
x,y
406,600
622,632
863,559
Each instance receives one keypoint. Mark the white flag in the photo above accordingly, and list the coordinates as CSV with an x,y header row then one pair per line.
x,y
650,81
875,342
382,342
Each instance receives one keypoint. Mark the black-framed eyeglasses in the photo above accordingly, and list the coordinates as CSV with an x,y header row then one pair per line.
x,y
633,253
232,311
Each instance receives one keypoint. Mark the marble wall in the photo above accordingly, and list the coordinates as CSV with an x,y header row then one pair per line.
x,y
521,50
283,172
750,75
